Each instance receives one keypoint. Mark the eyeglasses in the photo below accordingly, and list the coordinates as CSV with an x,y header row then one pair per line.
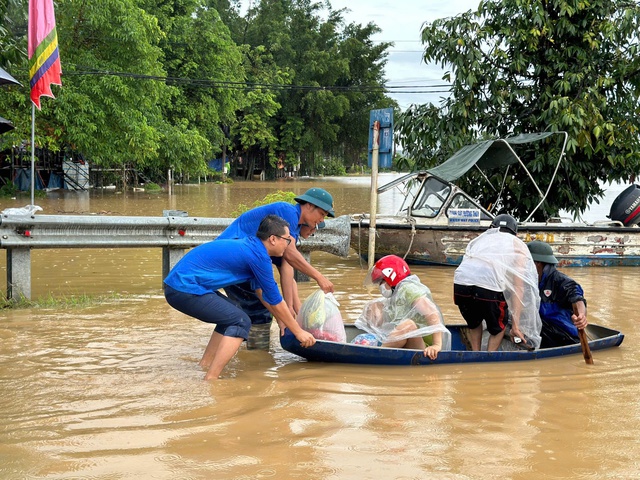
x,y
288,240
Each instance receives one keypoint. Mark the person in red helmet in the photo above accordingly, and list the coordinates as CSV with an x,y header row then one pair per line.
x,y
406,316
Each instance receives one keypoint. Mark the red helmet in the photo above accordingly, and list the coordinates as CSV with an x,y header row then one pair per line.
x,y
392,269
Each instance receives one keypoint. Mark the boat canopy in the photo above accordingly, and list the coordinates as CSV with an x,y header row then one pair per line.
x,y
486,155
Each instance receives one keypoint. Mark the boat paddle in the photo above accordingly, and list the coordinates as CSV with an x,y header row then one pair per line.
x,y
586,351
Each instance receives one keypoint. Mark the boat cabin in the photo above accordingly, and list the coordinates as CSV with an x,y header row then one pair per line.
x,y
437,201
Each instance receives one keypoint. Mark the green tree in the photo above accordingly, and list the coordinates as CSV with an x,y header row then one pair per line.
x,y
205,67
336,77
13,25
113,118
362,84
158,83
521,66
254,128
13,58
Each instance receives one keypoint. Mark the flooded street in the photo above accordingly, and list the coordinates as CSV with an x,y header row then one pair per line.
x,y
113,391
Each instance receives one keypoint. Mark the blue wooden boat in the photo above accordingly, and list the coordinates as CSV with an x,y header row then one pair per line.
x,y
600,338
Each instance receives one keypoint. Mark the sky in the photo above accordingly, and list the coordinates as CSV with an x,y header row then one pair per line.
x,y
401,22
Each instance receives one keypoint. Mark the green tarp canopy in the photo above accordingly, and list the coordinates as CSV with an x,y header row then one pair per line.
x,y
486,155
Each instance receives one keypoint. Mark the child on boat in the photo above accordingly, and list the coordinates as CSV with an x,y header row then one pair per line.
x,y
406,316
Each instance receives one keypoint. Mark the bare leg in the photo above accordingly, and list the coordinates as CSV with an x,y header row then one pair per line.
x,y
210,351
475,337
227,348
494,342
417,343
396,344
401,329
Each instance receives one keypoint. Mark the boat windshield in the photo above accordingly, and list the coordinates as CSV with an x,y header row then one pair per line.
x,y
431,198
462,201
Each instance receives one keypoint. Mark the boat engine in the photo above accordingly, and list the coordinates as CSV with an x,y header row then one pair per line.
x,y
626,207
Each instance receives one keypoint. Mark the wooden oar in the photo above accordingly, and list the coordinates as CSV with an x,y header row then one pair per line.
x,y
586,351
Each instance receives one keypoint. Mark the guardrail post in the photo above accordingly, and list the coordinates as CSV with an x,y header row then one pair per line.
x,y
298,275
171,256
18,273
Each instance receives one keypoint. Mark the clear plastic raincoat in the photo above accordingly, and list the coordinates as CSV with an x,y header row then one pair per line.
x,y
501,262
410,300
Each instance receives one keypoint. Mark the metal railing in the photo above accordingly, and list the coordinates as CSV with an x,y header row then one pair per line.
x,y
175,232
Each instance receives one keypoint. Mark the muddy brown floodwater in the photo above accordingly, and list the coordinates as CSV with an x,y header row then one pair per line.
x,y
113,391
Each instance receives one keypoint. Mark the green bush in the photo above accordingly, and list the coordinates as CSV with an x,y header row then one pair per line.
x,y
215,176
8,190
279,196
334,167
152,187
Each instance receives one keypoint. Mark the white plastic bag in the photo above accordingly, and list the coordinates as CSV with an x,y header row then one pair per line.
x,y
27,210
319,315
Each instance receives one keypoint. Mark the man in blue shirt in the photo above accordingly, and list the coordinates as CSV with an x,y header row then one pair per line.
x,y
309,213
192,287
563,308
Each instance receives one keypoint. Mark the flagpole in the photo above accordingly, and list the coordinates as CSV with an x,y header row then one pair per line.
x,y
44,65
33,153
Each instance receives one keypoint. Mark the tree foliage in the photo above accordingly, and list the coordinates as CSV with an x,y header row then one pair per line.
x,y
170,83
523,66
335,74
13,20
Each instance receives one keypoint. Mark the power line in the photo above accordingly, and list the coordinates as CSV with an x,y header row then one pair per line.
x,y
204,83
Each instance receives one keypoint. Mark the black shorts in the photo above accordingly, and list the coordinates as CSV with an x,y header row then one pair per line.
x,y
477,304
246,299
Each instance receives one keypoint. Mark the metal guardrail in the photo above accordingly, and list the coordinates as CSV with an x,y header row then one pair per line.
x,y
174,233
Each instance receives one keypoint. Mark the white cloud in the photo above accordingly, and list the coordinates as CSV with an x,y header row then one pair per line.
x,y
401,22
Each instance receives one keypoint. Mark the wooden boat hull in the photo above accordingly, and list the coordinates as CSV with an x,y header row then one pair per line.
x,y
334,352
574,245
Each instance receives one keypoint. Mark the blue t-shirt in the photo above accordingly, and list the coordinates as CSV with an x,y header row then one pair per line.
x,y
247,224
221,263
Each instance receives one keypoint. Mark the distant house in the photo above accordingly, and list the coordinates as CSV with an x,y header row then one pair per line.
x,y
216,164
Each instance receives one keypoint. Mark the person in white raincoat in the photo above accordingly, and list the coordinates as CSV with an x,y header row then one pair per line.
x,y
406,316
497,282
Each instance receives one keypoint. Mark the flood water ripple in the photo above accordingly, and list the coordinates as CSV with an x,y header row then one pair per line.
x,y
113,391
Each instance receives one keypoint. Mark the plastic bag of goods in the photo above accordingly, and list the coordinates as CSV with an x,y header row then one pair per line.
x,y
319,315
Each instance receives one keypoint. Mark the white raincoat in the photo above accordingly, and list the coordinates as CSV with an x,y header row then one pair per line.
x,y
501,262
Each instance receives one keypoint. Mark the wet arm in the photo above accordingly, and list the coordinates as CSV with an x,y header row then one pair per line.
x,y
297,261
283,315
574,293
429,311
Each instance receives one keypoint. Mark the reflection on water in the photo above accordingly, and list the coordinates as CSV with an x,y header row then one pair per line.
x,y
114,391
